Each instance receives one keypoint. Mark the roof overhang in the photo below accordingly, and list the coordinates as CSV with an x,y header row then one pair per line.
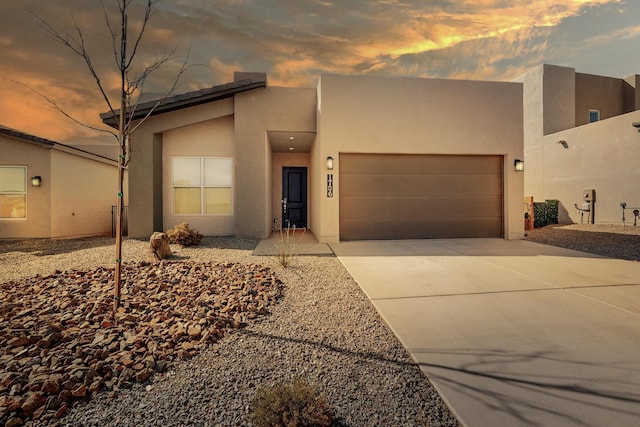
x,y
191,99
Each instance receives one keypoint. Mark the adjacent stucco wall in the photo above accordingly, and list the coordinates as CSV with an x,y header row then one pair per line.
x,y
280,160
82,193
37,159
605,94
416,116
256,112
602,156
212,138
558,98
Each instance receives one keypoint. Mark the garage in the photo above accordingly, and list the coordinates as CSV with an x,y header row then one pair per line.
x,y
400,196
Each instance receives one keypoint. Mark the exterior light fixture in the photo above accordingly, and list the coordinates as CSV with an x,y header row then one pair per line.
x,y
330,163
36,181
563,143
636,125
518,165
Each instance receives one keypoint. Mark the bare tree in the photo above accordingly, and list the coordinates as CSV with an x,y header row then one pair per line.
x,y
123,107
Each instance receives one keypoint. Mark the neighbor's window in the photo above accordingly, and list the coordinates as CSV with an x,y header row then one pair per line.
x,y
201,185
13,192
594,116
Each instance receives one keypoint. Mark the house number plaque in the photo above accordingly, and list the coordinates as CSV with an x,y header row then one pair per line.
x,y
329,185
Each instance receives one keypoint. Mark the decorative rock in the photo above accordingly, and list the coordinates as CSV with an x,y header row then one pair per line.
x,y
159,245
65,343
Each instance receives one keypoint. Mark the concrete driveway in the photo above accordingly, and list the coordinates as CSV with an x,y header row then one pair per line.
x,y
511,333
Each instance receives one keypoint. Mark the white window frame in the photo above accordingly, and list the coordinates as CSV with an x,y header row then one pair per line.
x,y
17,193
201,186
597,114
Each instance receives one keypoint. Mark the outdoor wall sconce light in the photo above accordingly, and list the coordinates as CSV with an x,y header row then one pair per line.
x,y
563,143
519,165
330,163
636,125
36,181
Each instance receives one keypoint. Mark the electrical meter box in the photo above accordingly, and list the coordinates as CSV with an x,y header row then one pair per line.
x,y
589,195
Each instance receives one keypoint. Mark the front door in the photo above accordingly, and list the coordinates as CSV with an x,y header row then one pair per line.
x,y
294,197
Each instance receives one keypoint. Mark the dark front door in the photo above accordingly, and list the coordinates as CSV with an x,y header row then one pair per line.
x,y
294,197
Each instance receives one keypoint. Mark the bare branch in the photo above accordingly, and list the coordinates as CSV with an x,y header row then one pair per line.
x,y
147,16
183,68
52,103
114,36
77,46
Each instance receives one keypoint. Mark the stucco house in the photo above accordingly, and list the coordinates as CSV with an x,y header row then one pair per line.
x,y
356,157
52,190
579,137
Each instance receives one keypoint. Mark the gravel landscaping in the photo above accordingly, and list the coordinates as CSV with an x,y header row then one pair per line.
x,y
322,329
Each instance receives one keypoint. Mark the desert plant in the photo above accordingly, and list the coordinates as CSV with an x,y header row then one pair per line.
x,y
183,235
286,244
295,404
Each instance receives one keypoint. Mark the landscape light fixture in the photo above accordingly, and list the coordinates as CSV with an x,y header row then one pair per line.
x,y
330,163
519,165
36,181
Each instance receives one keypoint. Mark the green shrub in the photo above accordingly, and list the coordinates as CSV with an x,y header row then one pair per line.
x,y
183,235
545,213
296,404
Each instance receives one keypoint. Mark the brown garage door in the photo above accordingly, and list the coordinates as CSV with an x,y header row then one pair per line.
x,y
389,196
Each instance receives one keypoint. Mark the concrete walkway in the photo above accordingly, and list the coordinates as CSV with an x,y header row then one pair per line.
x,y
511,333
305,243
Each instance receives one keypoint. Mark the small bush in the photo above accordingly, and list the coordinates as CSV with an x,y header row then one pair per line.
x,y
183,235
545,213
296,404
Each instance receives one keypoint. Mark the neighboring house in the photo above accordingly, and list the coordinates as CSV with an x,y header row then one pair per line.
x,y
353,158
579,136
52,190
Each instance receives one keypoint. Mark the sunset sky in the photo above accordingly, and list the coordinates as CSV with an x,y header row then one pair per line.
x,y
294,41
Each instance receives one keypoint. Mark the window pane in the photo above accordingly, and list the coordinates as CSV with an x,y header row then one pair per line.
x,y
186,171
217,172
186,201
217,200
13,206
13,179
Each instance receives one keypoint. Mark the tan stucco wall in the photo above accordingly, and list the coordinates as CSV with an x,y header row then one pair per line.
x,y
558,98
280,160
38,162
256,112
603,156
212,138
146,166
82,193
605,94
416,116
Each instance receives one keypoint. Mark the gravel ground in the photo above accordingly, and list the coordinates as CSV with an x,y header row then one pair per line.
x,y
615,241
324,330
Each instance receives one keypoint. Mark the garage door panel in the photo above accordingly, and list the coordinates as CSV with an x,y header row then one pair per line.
x,y
419,164
435,228
374,185
393,207
387,196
